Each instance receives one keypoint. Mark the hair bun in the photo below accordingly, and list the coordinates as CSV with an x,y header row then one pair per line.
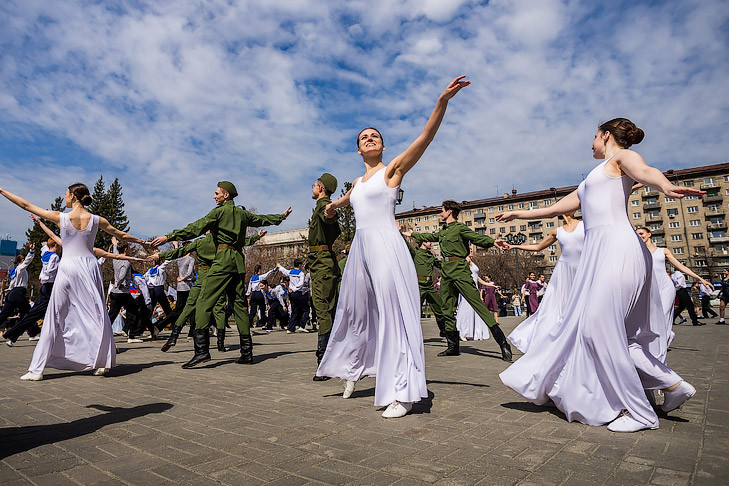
x,y
86,200
635,135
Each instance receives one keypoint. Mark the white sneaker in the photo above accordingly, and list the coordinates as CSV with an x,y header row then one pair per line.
x,y
348,389
397,409
463,338
101,372
34,338
288,332
301,329
9,343
674,399
626,423
134,340
31,377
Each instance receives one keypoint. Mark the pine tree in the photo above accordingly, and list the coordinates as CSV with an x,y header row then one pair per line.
x,y
346,218
116,217
98,197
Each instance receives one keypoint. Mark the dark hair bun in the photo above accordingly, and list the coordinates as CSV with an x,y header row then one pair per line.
x,y
624,131
634,135
86,200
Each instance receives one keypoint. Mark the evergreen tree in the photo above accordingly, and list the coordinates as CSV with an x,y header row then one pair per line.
x,y
116,216
98,196
346,218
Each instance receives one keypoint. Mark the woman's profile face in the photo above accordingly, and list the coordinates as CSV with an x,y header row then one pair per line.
x,y
68,198
598,145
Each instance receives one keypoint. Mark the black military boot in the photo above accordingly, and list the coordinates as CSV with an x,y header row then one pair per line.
x,y
221,340
201,341
453,349
321,347
441,327
246,349
500,339
173,338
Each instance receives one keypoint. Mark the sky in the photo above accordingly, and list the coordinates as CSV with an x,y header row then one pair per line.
x,y
172,96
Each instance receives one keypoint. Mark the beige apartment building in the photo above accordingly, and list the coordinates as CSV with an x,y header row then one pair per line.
x,y
693,229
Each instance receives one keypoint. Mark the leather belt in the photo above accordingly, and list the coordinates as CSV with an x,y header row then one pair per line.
x,y
320,248
453,258
424,279
204,267
230,247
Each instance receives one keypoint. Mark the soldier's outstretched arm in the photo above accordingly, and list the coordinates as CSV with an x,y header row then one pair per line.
x,y
257,220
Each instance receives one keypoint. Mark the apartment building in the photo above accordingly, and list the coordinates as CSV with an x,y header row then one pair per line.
x,y
693,229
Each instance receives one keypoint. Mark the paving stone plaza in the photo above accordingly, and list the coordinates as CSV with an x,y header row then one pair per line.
x,y
152,422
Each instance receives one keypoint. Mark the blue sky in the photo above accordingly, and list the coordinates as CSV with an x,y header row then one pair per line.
x,y
172,96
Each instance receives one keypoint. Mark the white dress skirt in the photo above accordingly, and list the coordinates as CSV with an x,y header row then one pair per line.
x,y
76,333
376,330
593,364
536,327
663,296
468,323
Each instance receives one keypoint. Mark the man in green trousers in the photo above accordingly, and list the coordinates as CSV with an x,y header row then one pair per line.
x,y
456,278
204,248
227,224
424,262
325,274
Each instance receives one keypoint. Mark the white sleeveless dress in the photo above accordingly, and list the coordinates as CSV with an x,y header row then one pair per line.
x,y
592,364
76,333
376,329
663,296
468,323
554,303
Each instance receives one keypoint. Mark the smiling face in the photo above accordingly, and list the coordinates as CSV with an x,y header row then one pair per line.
x,y
644,235
220,196
369,142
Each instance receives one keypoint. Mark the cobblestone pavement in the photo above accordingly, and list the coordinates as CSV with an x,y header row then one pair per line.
x,y
152,422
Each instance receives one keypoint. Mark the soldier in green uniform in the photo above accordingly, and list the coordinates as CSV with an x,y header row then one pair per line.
x,y
424,262
456,278
227,224
325,274
204,248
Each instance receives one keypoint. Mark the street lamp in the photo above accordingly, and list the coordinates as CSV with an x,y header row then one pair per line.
x,y
517,239
400,194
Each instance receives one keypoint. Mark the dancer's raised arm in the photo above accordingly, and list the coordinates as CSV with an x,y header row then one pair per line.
x,y
635,167
105,226
568,204
47,230
37,210
401,164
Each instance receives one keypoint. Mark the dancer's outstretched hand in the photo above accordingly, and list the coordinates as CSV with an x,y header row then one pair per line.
x,y
329,211
454,87
502,245
31,246
407,233
287,212
680,191
159,241
507,216
34,217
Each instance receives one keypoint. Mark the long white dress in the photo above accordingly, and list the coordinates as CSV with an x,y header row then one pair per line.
x,y
76,333
468,323
663,296
593,365
376,329
536,327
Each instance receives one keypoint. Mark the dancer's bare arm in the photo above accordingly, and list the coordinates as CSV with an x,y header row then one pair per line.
x,y
549,240
331,210
120,235
635,167
47,230
683,268
37,210
401,164
568,204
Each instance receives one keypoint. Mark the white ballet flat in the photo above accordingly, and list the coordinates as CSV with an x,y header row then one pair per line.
x,y
29,376
348,389
463,338
397,409
674,399
626,423
101,372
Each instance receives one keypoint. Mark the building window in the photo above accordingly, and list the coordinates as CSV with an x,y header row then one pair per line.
x,y
676,238
521,206
647,189
700,263
670,199
491,210
657,240
511,207
678,251
522,227
699,249
492,231
690,197
655,226
553,258
547,202
467,213
697,236
552,247
492,220
534,205
709,181
692,209
550,224
672,211
417,220
481,231
502,230
636,215
427,228
410,220
634,202
512,229
468,223
480,211
434,218
674,224
726,178
694,222
501,208
688,183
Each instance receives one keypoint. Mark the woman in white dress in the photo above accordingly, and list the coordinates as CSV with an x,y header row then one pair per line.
x,y
470,326
76,332
593,365
570,236
376,330
663,296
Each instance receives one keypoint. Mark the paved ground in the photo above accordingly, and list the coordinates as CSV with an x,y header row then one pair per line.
x,y
153,423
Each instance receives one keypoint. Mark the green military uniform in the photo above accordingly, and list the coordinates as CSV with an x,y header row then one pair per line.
x,y
456,279
424,262
325,274
227,224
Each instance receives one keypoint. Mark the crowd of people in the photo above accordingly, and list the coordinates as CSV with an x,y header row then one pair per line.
x,y
594,341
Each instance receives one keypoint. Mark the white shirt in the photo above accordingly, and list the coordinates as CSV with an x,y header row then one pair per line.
x,y
278,292
704,290
141,284
524,290
186,270
19,274
541,291
50,262
158,277
296,276
679,281
254,284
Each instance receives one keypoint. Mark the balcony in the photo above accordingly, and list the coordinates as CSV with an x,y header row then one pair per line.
x,y
653,218
659,241
535,229
651,206
712,199
721,213
646,195
706,187
480,216
659,231
718,239
717,226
